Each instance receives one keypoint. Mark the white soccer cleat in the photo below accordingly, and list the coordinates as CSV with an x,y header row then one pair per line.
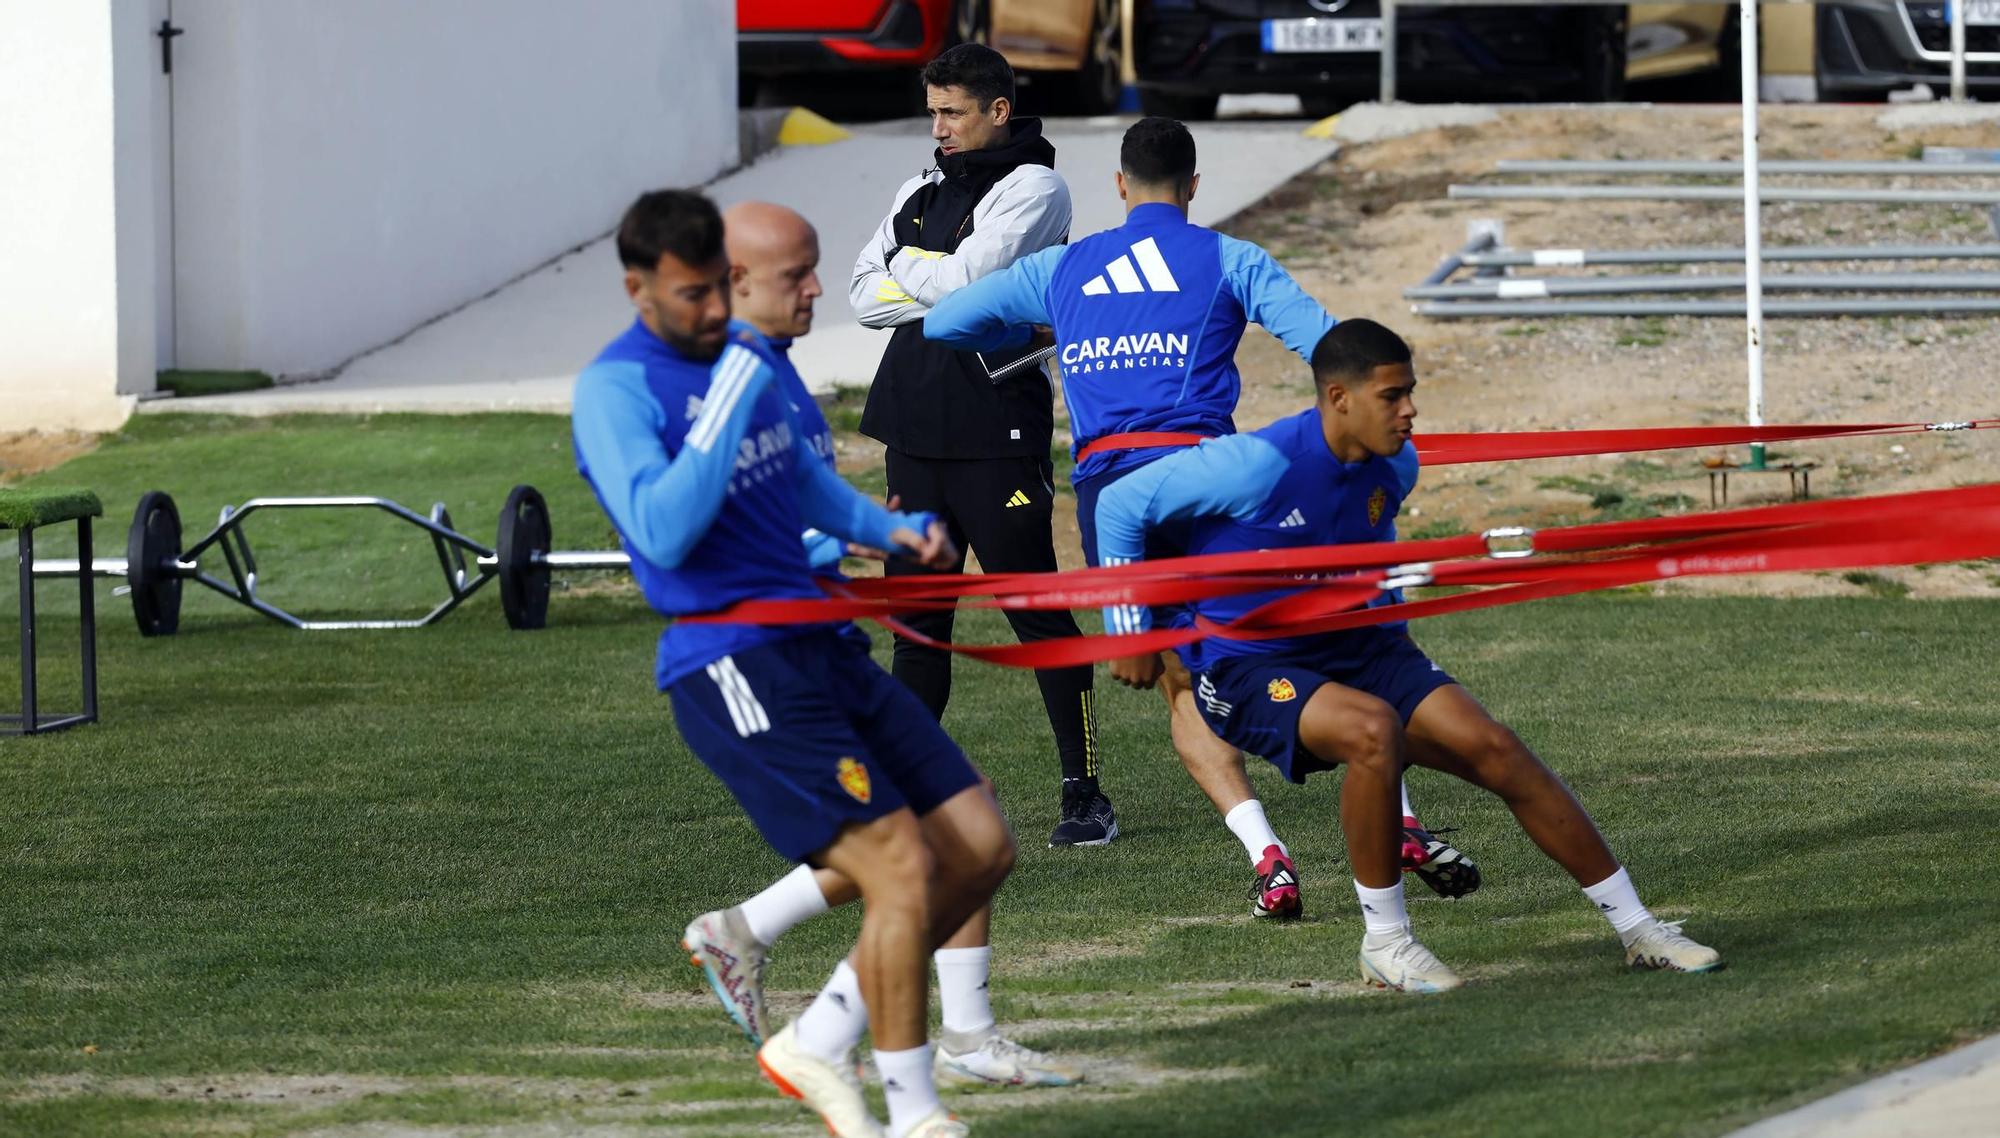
x,y
938,1124
1404,964
833,1090
721,946
1001,1062
1661,945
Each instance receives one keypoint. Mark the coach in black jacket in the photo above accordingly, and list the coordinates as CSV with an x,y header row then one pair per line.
x,y
972,448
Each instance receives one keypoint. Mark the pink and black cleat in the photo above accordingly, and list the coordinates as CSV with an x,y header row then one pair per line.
x,y
1449,873
1275,893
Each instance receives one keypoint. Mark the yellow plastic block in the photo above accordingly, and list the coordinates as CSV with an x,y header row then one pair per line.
x,y
804,128
1323,128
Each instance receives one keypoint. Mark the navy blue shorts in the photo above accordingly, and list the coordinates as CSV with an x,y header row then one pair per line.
x,y
1253,702
810,735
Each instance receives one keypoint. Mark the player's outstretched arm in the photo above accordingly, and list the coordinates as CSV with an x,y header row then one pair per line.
x,y
997,311
830,506
1272,298
662,502
1231,476
1025,216
879,300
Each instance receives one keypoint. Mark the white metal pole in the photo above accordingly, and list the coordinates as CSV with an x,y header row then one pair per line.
x,y
1957,51
1387,94
1753,242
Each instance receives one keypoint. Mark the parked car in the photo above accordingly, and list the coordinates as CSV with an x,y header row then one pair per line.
x,y
1868,48
1328,52
1071,52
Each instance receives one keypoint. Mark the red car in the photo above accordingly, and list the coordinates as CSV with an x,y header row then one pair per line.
x,y
1071,49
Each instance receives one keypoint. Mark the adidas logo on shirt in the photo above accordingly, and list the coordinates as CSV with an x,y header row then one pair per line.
x,y
1020,498
1293,520
1124,278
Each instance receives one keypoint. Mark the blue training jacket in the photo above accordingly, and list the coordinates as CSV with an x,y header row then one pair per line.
x,y
1147,316
823,550
710,478
1275,488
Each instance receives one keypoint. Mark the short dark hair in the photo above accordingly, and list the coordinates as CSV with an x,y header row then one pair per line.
x,y
681,222
1354,348
1157,152
979,69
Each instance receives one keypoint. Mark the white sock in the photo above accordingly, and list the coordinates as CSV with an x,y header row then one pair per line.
x,y
1382,910
1409,815
831,1026
1618,901
1246,820
906,1083
791,899
962,988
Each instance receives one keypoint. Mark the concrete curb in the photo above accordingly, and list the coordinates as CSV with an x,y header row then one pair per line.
x,y
1954,1094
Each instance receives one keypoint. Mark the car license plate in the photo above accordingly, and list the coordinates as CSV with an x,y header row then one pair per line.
x,y
1983,13
1317,35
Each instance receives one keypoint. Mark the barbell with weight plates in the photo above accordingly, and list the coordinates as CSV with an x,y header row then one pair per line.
x,y
155,565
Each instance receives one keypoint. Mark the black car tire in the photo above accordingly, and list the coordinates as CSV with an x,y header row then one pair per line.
x,y
1600,42
1324,106
1095,87
1198,107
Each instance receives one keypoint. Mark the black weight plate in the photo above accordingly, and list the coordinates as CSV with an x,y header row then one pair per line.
x,y
524,582
151,548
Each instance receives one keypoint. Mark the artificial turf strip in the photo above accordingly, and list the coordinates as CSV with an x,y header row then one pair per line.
x,y
433,879
24,508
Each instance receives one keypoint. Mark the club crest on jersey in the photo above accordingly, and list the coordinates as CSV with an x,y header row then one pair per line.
x,y
853,779
1376,502
1281,690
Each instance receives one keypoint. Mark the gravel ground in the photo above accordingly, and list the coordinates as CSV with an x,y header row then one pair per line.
x,y
1361,227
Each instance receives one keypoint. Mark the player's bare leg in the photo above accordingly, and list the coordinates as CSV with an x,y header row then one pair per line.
x,y
1450,731
1217,768
1361,733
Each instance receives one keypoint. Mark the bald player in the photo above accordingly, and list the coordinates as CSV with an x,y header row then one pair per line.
x,y
773,262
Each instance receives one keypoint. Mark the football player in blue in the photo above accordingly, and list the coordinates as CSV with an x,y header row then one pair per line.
x,y
773,264
1147,318
1367,700
696,455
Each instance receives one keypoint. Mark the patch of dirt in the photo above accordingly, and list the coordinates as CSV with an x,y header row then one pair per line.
x,y
303,1090
30,452
1360,227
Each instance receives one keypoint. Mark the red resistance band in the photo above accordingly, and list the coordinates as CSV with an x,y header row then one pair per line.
x,y
1897,529
1449,449
1824,535
1139,440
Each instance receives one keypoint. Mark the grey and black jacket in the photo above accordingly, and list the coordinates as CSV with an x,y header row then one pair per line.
x,y
976,213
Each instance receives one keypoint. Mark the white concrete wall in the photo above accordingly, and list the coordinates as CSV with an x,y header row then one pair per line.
x,y
76,322
346,171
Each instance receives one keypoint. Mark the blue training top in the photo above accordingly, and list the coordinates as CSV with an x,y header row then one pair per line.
x,y
710,478
823,550
1148,316
1276,488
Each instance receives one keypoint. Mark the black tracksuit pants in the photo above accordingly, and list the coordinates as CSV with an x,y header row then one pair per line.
x,y
1002,509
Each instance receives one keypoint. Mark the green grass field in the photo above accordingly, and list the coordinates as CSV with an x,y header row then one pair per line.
x,y
430,882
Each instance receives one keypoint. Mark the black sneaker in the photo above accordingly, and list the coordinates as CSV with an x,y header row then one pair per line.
x,y
1087,819
1449,873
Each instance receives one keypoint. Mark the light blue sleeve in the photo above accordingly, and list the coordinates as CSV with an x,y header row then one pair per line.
x,y
996,311
823,550
1231,476
662,504
837,510
1272,298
